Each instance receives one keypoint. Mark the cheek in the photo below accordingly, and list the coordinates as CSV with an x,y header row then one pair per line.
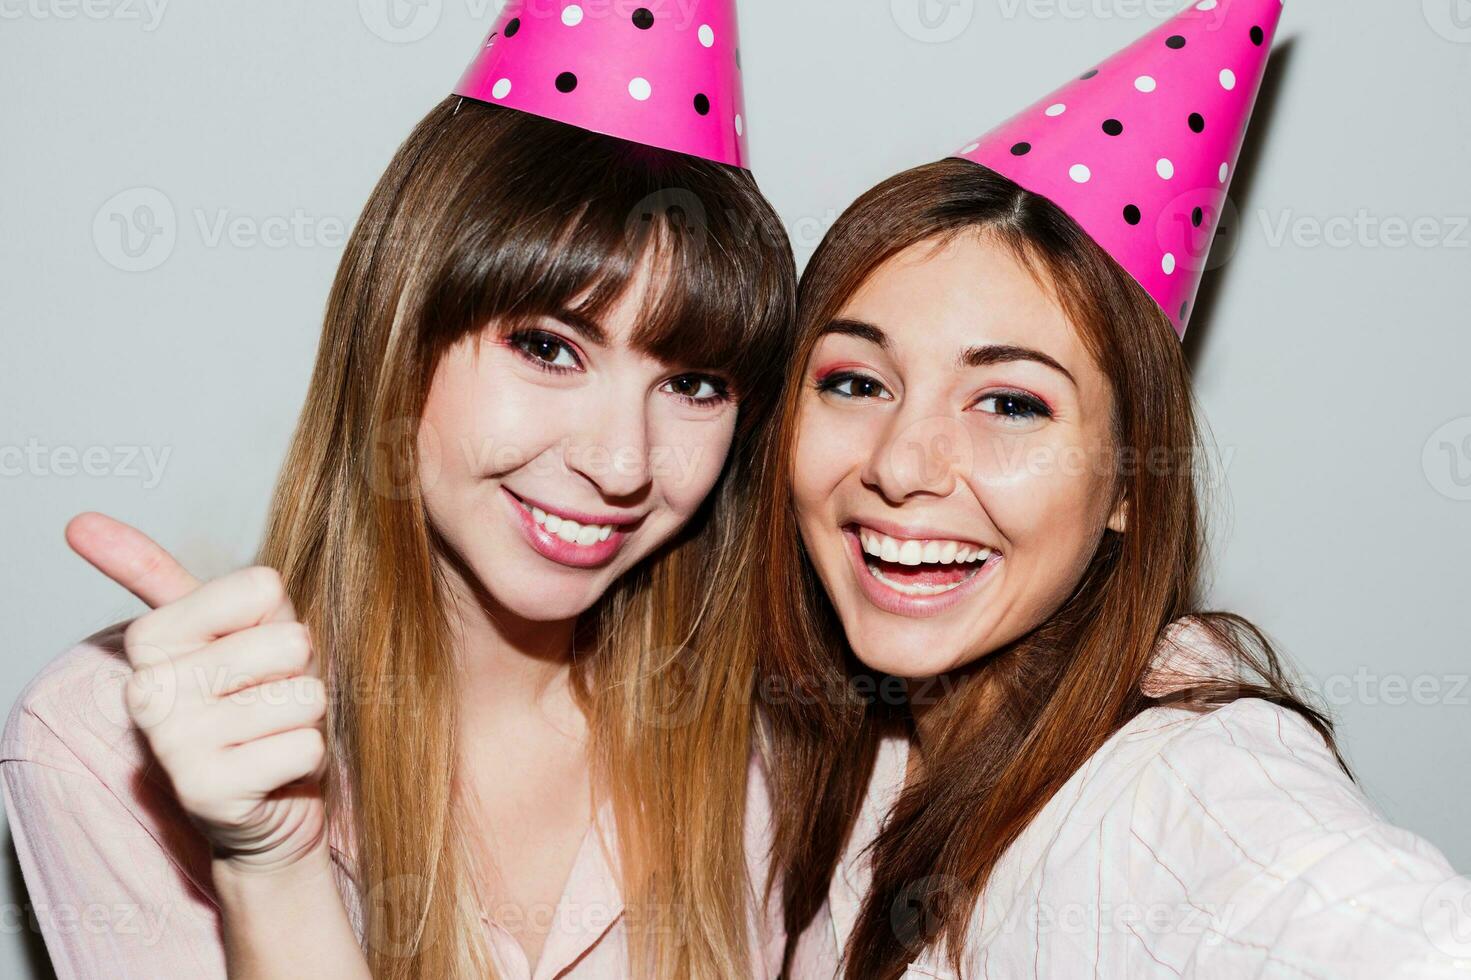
x,y
829,445
1050,507
686,458
479,419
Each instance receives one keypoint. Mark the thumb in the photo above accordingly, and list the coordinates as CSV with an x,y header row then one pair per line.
x,y
130,558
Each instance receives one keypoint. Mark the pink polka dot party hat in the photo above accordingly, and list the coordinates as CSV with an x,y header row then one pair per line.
x,y
1140,150
665,75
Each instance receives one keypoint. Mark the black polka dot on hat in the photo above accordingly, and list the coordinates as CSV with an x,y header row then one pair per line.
x,y
702,104
643,18
1088,74
1197,217
1197,122
513,26
1132,215
1112,127
1257,36
566,82
1021,149
1175,41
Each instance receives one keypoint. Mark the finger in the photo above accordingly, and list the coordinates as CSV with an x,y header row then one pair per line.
x,y
269,763
130,558
267,709
222,606
246,658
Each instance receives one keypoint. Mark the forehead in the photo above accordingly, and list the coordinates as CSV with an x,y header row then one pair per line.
x,y
966,291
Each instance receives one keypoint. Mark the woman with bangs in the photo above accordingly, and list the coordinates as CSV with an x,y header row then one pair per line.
x,y
1008,740
463,718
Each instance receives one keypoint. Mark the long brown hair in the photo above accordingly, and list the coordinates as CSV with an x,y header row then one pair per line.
x,y
1051,698
490,216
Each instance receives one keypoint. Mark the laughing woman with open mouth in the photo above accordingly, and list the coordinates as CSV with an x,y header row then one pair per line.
x,y
1008,741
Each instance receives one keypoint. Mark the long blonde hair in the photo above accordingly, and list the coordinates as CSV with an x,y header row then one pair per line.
x,y
490,215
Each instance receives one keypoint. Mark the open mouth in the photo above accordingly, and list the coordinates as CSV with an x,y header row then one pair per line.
x,y
916,576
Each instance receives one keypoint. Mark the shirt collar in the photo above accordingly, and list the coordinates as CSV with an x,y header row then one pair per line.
x,y
591,901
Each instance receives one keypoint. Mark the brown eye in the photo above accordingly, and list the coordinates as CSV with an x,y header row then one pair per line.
x,y
545,350
849,385
698,389
1014,406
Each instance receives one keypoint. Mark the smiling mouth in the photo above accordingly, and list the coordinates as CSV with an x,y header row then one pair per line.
x,y
920,568
563,539
569,530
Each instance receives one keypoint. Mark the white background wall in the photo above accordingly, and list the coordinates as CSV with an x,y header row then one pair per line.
x,y
1331,355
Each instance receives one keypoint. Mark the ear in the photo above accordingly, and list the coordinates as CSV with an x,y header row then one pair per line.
x,y
1119,519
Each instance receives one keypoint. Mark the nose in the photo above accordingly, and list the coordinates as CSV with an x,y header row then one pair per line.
x,y
918,454
611,447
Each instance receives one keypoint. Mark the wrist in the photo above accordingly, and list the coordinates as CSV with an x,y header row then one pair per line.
x,y
242,876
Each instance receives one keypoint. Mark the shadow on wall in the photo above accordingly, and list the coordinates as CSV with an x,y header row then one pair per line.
x,y
1228,239
38,962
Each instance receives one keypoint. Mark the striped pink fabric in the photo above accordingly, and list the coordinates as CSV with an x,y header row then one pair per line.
x,y
119,880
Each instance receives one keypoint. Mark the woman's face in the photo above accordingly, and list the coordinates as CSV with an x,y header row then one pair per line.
x,y
953,472
554,460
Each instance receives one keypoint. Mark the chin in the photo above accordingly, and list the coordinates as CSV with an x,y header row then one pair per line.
x,y
545,594
546,606
904,652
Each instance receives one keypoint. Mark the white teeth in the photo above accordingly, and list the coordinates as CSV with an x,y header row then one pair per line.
x,y
570,531
916,589
916,552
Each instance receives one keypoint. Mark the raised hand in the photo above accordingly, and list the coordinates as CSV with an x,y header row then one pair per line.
x,y
227,693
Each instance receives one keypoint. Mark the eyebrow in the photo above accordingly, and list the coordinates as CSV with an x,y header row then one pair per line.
x,y
859,329
970,357
1003,353
589,330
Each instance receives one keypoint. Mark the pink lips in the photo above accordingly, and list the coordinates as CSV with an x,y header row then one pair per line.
x,y
900,604
551,546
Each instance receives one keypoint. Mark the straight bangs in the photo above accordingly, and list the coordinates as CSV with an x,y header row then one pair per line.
x,y
554,220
